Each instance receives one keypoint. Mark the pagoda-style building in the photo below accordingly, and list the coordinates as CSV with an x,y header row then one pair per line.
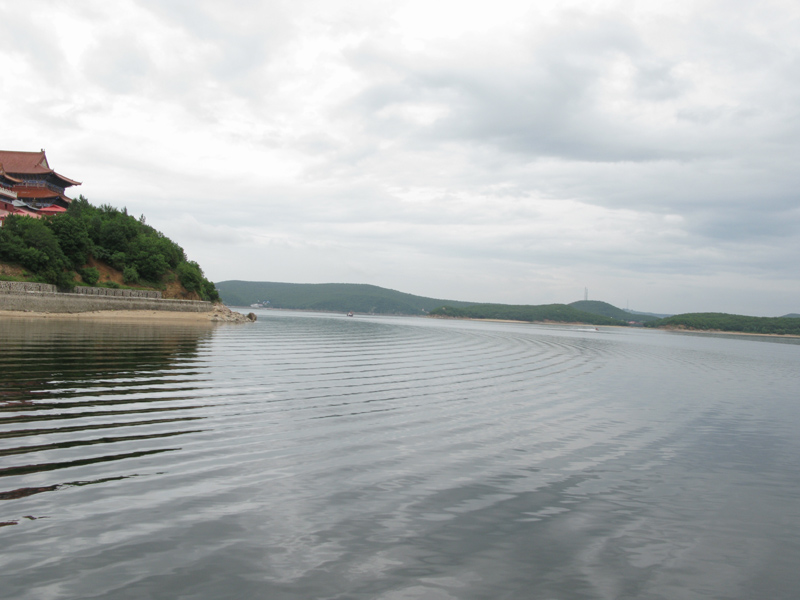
x,y
27,177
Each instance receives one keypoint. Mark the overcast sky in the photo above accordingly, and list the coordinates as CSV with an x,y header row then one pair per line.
x,y
504,151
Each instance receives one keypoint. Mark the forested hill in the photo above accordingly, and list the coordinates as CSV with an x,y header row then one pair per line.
x,y
726,322
335,297
556,313
98,246
605,309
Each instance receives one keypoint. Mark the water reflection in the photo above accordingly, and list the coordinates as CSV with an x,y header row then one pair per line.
x,y
310,456
91,391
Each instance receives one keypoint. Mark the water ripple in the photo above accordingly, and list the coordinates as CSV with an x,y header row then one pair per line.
x,y
323,456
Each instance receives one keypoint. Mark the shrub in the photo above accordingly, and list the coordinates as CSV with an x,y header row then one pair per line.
x,y
130,275
152,266
33,245
64,281
89,275
117,232
118,260
73,237
209,292
190,276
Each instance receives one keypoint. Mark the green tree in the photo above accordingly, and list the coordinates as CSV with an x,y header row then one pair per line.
x,y
89,275
130,275
32,244
73,238
117,233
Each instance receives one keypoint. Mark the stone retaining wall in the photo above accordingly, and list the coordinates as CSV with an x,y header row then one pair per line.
x,y
73,303
24,286
99,291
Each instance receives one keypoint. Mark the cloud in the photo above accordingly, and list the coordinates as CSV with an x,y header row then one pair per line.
x,y
119,62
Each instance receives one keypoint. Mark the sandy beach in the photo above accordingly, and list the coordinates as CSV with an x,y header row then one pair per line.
x,y
220,314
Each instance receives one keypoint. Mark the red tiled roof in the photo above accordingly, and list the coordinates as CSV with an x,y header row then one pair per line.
x,y
38,193
53,209
28,163
4,175
24,162
26,212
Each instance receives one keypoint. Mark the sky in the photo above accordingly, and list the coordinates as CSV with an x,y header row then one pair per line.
x,y
507,151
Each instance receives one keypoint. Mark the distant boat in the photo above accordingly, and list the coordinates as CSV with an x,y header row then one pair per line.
x,y
350,314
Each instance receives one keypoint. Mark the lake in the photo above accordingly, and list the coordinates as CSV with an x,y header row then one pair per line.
x,y
319,456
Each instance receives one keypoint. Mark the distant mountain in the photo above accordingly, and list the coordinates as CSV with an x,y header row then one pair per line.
x,y
733,323
596,307
791,316
556,313
656,315
334,297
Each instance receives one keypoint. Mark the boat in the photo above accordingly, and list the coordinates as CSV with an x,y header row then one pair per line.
x,y
350,314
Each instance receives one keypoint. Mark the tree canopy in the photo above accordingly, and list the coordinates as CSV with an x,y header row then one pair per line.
x,y
55,247
726,322
336,297
557,313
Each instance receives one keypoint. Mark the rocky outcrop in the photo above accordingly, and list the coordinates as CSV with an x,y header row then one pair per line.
x,y
223,314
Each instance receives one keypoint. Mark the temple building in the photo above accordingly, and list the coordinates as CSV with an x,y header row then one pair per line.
x,y
29,176
7,183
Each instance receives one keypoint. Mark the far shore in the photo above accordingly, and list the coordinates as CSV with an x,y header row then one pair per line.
x,y
670,329
526,322
719,331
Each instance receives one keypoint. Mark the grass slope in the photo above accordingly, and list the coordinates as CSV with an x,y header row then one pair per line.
x,y
597,307
336,297
733,323
558,313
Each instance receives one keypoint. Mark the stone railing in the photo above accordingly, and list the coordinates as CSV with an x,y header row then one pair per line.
x,y
19,287
98,291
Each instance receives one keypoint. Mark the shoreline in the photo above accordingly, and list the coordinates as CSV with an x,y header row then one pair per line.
x,y
720,331
111,315
219,314
529,322
668,329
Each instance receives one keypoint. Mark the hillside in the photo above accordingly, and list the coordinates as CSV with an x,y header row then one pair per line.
x,y
557,313
335,297
98,246
597,307
648,314
791,316
732,323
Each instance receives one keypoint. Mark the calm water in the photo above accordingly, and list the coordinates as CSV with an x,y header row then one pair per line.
x,y
315,456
